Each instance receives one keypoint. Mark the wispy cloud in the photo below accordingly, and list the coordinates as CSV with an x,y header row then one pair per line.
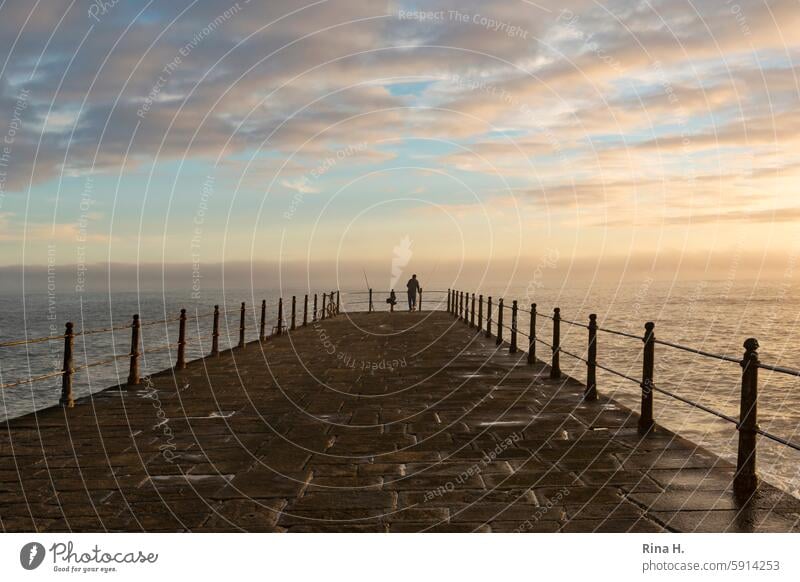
x,y
648,112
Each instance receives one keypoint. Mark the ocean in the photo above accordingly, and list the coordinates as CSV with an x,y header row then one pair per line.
x,y
714,316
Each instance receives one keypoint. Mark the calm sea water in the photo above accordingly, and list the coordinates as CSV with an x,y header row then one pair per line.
x,y
712,316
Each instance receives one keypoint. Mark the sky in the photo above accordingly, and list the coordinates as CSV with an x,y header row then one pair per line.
x,y
455,138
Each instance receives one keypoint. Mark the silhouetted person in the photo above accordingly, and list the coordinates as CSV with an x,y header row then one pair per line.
x,y
413,287
392,300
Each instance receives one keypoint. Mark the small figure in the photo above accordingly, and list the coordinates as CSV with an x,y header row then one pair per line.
x,y
413,287
392,300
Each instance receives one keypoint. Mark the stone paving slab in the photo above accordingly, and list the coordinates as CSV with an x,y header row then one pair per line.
x,y
379,422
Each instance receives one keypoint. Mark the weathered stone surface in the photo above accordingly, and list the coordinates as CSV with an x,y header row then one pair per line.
x,y
412,422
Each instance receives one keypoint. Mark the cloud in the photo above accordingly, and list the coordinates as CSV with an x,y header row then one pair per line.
x,y
647,111
300,185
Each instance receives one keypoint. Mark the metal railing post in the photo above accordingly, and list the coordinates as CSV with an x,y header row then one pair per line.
x,y
324,299
648,365
242,316
294,313
338,304
133,373
420,299
67,400
555,365
370,308
305,310
315,308
499,321
215,333
480,313
279,329
448,301
461,305
512,349
746,479
262,324
532,336
180,364
489,316
472,312
591,360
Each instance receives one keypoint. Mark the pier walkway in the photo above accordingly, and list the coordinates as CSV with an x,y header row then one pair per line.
x,y
373,422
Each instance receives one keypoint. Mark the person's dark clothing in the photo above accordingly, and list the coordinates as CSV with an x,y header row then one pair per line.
x,y
413,287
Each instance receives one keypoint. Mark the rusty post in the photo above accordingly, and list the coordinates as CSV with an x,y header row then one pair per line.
x,y
420,299
324,299
648,365
472,312
315,308
67,401
181,363
489,316
133,374
279,329
262,324
532,336
294,312
242,315
370,308
512,349
746,479
480,313
338,304
591,360
555,366
305,310
499,340
391,305
215,333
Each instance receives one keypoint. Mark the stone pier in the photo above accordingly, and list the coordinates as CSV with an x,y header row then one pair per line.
x,y
366,422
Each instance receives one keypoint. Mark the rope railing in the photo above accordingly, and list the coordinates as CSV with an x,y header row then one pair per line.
x,y
32,379
95,331
461,306
388,291
331,308
698,352
779,369
619,333
392,298
575,323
